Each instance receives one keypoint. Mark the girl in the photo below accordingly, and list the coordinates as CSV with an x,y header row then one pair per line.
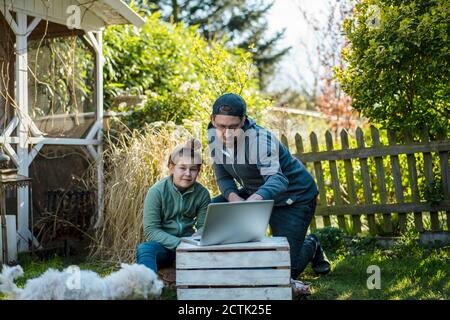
x,y
172,207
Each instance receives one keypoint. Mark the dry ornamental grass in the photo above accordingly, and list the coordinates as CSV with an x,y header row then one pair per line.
x,y
134,161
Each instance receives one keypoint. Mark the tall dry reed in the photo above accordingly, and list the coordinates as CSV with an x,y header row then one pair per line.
x,y
134,161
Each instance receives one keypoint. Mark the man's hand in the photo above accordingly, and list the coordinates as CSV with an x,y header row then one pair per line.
x,y
233,197
255,197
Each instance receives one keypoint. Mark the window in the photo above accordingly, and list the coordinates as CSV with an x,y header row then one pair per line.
x,y
61,86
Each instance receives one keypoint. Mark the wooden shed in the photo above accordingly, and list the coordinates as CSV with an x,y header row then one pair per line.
x,y
52,91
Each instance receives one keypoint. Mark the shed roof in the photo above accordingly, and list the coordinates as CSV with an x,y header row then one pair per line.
x,y
113,12
95,14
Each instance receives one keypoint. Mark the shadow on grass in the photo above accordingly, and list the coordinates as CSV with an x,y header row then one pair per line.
x,y
418,274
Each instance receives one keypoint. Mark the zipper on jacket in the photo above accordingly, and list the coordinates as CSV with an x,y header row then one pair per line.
x,y
232,166
242,182
180,226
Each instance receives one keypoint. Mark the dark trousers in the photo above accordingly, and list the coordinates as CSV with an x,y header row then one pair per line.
x,y
153,255
291,221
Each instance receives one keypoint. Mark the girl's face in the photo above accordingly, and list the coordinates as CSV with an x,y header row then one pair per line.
x,y
184,173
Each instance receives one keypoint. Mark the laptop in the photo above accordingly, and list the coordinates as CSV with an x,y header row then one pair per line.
x,y
234,222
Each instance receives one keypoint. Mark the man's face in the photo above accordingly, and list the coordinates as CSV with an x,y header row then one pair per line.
x,y
227,127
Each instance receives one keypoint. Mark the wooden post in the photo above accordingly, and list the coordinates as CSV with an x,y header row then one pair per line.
x,y
99,92
429,179
350,181
22,30
319,177
299,143
11,235
413,182
1,240
285,141
22,101
335,180
445,176
366,181
96,41
396,173
381,180
299,147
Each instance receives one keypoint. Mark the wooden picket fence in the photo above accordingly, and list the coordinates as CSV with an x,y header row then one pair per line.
x,y
356,213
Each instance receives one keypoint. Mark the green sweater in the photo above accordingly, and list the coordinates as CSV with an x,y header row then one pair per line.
x,y
170,214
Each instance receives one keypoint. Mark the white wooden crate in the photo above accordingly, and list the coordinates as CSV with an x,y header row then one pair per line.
x,y
243,271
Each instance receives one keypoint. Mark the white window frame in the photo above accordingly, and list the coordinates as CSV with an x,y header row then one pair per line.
x,y
36,140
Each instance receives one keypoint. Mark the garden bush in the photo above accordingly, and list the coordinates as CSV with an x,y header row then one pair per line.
x,y
177,70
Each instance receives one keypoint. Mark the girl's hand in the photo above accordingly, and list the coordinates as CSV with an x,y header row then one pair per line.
x,y
233,197
255,197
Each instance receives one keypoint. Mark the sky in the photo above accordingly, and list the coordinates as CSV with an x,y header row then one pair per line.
x,y
295,69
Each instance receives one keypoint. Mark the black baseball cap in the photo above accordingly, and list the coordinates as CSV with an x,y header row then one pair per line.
x,y
230,104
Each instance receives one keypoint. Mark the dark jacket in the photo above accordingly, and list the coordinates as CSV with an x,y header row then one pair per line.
x,y
289,183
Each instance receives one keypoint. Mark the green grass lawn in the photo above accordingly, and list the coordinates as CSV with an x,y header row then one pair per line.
x,y
416,275
408,271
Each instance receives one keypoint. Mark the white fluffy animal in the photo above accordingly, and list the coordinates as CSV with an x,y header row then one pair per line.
x,y
133,281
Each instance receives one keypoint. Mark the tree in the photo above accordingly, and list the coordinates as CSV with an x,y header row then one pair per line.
x,y
326,94
176,69
336,107
326,27
241,23
398,63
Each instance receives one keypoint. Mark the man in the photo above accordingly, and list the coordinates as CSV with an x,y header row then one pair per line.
x,y
248,154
